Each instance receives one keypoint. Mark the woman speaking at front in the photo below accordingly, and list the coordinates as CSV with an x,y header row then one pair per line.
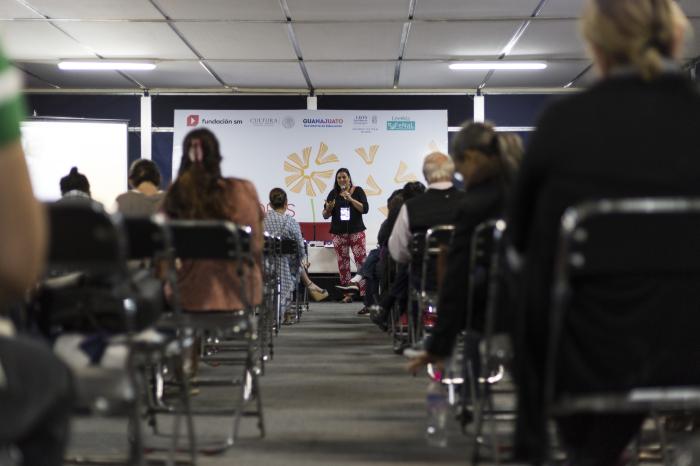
x,y
345,205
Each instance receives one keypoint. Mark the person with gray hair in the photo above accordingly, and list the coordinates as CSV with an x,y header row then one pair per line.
x,y
437,206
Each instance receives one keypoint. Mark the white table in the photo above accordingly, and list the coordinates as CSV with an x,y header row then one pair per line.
x,y
323,260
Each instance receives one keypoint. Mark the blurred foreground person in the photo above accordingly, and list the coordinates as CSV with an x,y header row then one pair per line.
x,y
35,387
633,134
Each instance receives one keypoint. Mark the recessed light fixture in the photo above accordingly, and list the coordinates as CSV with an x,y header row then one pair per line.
x,y
498,65
97,65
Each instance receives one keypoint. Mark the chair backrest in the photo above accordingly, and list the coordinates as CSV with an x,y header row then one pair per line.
x,y
484,248
83,237
289,246
437,240
625,237
147,237
209,239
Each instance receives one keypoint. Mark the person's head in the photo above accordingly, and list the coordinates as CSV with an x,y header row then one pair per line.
x,y
438,167
144,171
75,181
637,33
480,153
198,192
342,180
278,199
395,199
412,189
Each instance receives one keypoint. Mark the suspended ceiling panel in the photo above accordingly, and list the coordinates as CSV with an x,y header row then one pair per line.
x,y
251,41
461,9
12,9
348,10
352,74
92,9
563,8
77,79
260,74
357,41
430,75
459,40
551,38
176,74
557,74
30,40
588,79
129,40
30,82
223,9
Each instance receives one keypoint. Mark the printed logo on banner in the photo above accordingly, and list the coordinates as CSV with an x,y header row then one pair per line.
x,y
322,122
264,121
362,124
400,123
288,122
192,120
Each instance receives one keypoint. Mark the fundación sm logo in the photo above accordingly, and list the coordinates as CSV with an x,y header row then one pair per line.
x,y
192,120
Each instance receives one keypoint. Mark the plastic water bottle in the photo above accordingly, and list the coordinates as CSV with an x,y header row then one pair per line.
x,y
437,408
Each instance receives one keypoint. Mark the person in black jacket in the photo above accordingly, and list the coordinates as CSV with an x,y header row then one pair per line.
x,y
345,206
633,134
487,162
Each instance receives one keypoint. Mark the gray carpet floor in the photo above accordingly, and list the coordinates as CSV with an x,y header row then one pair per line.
x,y
334,394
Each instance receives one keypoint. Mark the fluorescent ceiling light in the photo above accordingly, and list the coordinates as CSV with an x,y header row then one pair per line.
x,y
498,65
106,65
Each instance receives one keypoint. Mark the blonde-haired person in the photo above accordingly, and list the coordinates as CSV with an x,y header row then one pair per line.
x,y
633,134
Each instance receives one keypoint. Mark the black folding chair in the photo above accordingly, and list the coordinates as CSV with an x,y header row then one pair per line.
x,y
288,248
84,239
228,330
612,239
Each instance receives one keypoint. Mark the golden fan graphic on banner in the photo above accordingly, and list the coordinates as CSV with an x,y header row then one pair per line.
x,y
368,156
401,175
302,177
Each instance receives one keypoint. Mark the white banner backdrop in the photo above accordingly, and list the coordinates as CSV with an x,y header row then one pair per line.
x,y
300,151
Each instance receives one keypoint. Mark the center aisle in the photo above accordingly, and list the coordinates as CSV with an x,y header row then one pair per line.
x,y
335,394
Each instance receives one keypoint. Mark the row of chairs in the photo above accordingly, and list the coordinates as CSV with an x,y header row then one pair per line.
x,y
100,250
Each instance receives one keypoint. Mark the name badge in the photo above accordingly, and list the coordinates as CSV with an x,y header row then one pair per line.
x,y
345,213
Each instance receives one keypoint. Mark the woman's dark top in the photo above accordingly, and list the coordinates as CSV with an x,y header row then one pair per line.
x,y
355,224
483,201
624,137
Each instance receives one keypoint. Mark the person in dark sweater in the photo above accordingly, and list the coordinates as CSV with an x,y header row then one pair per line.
x,y
345,205
487,162
633,134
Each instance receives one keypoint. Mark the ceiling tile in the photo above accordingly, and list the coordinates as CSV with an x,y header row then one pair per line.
x,y
551,38
459,40
351,74
563,8
357,41
426,75
176,74
344,10
102,9
30,82
461,9
557,74
250,41
12,9
130,40
223,9
77,79
260,74
31,40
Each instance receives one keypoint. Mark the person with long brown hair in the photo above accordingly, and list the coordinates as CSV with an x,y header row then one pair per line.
x,y
200,192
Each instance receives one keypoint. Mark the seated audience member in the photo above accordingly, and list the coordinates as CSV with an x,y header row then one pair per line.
x,y
487,162
633,134
145,197
397,291
75,185
278,223
316,292
200,192
35,387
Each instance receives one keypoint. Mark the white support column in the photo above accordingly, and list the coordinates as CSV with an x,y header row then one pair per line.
x,y
479,109
146,126
312,102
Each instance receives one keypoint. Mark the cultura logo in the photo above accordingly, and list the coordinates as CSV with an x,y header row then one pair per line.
x,y
192,120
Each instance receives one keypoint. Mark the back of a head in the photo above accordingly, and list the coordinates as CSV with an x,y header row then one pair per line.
x,y
278,198
75,181
198,191
438,167
637,33
144,170
412,189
